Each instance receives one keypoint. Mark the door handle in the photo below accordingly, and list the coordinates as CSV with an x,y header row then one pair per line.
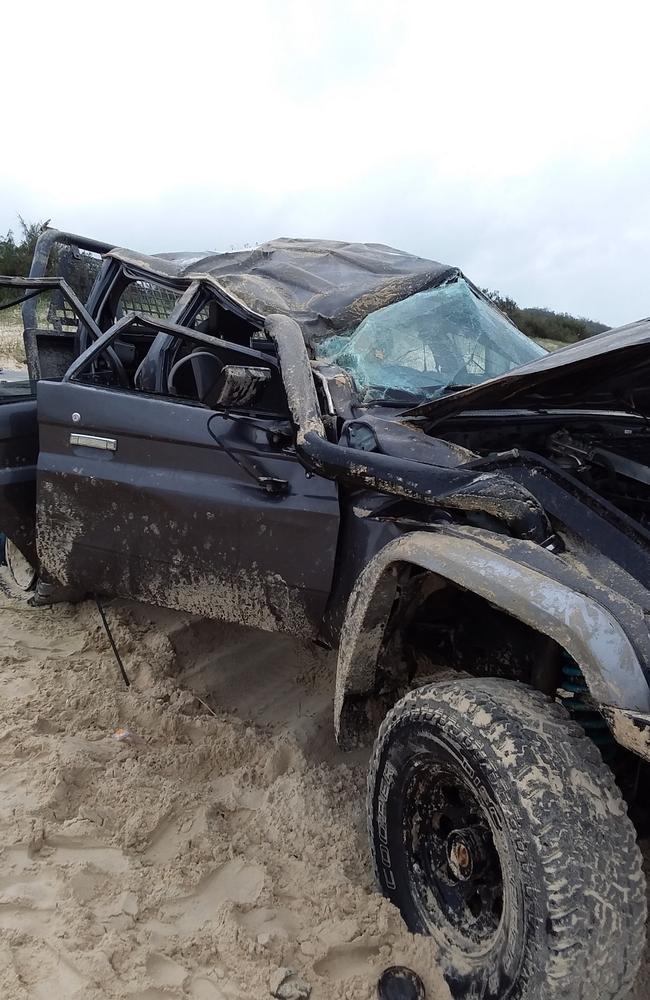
x,y
90,441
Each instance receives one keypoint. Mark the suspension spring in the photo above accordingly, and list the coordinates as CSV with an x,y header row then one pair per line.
x,y
574,695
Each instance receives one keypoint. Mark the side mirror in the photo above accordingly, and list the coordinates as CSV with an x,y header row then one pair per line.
x,y
237,386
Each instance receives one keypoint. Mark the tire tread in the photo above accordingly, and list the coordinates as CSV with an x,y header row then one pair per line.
x,y
588,851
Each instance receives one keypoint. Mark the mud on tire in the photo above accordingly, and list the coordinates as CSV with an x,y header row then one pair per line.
x,y
496,828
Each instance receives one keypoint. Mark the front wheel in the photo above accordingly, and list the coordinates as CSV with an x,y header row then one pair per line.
x,y
496,828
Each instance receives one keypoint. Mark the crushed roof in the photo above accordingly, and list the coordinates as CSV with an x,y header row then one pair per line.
x,y
326,285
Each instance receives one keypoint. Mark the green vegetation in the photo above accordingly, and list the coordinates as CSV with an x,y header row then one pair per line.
x,y
16,253
15,259
12,349
544,324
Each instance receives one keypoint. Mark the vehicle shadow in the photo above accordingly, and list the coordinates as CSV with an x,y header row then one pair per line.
x,y
282,684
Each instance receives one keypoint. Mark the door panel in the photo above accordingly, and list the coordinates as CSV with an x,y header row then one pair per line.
x,y
166,515
18,454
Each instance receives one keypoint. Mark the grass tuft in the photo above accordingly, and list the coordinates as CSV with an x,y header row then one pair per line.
x,y
11,346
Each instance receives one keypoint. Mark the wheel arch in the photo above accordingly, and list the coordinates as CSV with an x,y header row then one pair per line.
x,y
498,573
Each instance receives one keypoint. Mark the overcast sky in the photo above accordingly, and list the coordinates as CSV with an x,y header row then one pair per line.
x,y
511,139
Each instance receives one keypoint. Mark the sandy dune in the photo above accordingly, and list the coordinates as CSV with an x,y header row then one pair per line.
x,y
204,854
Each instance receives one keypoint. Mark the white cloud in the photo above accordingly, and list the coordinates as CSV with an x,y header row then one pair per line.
x,y
509,137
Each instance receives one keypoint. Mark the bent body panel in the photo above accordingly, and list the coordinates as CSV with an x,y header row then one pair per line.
x,y
610,656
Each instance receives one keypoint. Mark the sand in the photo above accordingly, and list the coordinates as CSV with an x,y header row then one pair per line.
x,y
12,352
221,843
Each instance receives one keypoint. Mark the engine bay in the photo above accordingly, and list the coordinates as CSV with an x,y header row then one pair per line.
x,y
607,453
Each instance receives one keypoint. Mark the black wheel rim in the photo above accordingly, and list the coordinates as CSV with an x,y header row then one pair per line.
x,y
453,864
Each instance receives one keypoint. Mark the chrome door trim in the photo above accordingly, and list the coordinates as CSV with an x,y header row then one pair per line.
x,y
90,441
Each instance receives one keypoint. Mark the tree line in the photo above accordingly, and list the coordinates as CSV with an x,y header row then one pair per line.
x,y
16,250
545,324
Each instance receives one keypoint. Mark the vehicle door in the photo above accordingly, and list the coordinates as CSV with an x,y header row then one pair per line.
x,y
18,454
18,408
171,501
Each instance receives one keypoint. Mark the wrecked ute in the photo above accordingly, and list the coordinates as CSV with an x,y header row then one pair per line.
x,y
351,444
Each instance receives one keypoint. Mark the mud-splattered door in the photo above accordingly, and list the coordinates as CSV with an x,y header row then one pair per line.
x,y
153,498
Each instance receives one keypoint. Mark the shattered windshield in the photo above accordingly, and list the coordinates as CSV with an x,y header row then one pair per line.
x,y
442,339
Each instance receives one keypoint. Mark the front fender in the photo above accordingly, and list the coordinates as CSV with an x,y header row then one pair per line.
x,y
497,569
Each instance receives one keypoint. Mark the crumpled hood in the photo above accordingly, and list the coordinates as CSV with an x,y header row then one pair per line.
x,y
610,371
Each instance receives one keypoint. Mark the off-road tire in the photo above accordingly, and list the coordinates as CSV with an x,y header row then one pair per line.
x,y
573,911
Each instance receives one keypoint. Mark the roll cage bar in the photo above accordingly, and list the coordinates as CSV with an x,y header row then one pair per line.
x,y
108,283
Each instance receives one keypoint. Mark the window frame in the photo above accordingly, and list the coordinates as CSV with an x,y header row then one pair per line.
x,y
176,330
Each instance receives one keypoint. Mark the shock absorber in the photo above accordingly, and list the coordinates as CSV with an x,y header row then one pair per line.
x,y
574,695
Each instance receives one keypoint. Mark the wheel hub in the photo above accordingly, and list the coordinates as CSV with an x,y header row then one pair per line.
x,y
467,852
454,862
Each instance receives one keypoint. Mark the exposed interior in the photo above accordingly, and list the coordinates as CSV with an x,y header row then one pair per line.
x,y
607,453
141,359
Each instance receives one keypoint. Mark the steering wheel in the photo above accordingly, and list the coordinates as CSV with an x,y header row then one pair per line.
x,y
203,367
